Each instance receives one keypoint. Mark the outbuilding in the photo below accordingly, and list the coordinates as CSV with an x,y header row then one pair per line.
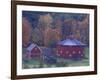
x,y
33,50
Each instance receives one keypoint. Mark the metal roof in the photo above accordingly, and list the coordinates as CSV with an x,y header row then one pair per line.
x,y
71,42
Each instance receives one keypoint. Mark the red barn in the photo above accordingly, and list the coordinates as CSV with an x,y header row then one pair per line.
x,y
70,49
33,50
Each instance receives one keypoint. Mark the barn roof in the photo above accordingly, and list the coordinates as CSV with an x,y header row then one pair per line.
x,y
31,46
71,42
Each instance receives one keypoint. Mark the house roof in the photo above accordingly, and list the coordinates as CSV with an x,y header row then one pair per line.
x,y
71,42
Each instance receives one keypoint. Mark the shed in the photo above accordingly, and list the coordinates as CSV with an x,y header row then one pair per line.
x,y
33,50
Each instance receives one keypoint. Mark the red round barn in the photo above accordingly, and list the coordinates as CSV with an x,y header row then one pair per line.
x,y
71,49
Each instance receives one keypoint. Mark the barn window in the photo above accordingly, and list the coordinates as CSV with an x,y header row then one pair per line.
x,y
67,52
35,48
73,52
70,55
61,51
79,52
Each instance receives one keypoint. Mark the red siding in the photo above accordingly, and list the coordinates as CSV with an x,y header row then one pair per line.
x,y
35,52
70,51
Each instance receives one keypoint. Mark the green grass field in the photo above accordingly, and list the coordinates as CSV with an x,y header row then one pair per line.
x,y
61,62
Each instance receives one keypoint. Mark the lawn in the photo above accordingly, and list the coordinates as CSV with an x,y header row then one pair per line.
x,y
40,62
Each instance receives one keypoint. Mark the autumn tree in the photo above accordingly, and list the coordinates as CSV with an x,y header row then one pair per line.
x,y
26,31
